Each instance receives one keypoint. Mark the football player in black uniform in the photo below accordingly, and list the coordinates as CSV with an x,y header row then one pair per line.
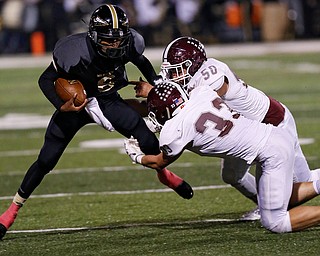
x,y
97,59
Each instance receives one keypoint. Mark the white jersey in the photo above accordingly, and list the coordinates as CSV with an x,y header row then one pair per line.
x,y
250,102
253,104
209,127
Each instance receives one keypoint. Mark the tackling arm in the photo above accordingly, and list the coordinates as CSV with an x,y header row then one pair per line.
x,y
157,162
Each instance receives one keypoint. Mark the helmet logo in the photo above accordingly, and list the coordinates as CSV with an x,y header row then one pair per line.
x,y
101,22
188,63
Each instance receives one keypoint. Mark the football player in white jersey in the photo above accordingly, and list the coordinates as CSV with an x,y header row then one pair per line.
x,y
185,62
209,128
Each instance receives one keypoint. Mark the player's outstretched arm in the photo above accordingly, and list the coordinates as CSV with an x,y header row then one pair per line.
x,y
157,162
133,150
142,88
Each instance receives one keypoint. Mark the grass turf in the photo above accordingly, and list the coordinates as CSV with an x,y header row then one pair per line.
x,y
143,223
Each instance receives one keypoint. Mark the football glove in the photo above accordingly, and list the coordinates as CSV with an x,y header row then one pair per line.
x,y
133,150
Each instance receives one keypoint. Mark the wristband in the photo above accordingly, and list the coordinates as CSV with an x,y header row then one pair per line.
x,y
138,158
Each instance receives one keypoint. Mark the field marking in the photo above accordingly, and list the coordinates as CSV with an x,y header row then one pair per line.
x,y
96,145
300,67
130,225
154,53
125,192
34,152
104,169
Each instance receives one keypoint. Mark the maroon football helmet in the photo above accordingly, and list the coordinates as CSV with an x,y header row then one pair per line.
x,y
182,58
165,101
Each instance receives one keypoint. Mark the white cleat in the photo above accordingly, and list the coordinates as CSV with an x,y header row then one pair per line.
x,y
251,215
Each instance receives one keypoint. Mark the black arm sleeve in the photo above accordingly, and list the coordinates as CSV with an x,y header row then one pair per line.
x,y
146,68
46,83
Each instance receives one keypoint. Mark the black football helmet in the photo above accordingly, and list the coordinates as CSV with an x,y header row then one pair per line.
x,y
182,58
108,25
164,101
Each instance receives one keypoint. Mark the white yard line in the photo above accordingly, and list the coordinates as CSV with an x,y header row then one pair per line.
x,y
130,192
101,169
93,145
50,230
129,225
154,54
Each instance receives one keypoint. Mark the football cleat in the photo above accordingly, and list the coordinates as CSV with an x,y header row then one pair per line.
x,y
8,218
251,215
184,190
3,231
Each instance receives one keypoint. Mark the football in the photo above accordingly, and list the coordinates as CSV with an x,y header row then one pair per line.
x,y
67,88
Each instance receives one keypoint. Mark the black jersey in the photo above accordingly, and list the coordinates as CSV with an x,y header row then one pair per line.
x,y
75,57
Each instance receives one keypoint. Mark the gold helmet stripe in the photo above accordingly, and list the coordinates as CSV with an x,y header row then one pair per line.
x,y
114,16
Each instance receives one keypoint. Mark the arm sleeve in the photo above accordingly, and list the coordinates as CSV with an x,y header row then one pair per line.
x,y
146,68
46,84
137,47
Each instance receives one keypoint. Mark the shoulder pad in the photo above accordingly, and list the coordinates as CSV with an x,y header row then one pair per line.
x,y
138,41
70,50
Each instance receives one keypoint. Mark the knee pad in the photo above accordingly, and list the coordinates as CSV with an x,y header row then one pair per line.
x,y
229,177
315,175
277,224
234,170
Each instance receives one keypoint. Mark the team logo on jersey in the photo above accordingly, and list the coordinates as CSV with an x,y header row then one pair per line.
x,y
106,83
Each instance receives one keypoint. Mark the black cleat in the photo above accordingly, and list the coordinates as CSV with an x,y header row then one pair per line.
x,y
184,190
3,231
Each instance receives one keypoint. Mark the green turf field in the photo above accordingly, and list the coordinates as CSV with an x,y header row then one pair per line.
x,y
97,203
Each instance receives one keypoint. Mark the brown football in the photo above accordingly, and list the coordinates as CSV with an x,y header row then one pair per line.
x,y
67,88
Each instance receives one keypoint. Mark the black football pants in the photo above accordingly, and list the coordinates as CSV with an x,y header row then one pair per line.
x,y
64,125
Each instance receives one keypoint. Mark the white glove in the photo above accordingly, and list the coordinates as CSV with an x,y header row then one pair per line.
x,y
133,150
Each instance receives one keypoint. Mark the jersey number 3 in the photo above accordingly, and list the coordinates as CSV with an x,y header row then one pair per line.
x,y
224,126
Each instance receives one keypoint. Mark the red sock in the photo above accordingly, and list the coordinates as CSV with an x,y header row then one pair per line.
x,y
8,217
169,179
